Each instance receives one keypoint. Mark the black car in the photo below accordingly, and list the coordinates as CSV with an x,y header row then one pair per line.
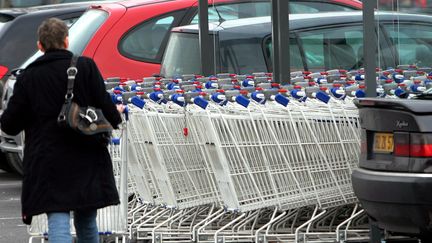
x,y
394,178
319,41
18,30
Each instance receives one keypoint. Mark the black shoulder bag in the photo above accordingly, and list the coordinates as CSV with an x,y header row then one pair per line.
x,y
85,120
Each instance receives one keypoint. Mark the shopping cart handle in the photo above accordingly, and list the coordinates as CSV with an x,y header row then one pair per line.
x,y
281,99
156,96
173,86
140,103
117,98
211,85
359,77
258,97
322,96
400,92
360,93
240,99
126,113
298,94
321,80
417,88
338,93
201,102
178,99
398,78
248,82
136,87
217,97
115,141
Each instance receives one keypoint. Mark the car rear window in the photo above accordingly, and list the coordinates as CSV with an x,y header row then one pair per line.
x,y
184,56
84,28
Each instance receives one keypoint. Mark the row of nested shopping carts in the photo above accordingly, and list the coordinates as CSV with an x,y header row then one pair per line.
x,y
238,158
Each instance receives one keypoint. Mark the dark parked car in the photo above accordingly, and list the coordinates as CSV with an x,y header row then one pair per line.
x,y
394,178
318,42
18,30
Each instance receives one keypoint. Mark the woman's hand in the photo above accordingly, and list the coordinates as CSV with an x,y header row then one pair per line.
x,y
120,108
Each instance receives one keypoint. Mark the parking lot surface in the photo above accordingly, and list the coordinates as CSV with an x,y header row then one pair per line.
x,y
11,227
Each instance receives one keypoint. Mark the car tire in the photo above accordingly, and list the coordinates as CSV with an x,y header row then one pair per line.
x,y
4,165
15,162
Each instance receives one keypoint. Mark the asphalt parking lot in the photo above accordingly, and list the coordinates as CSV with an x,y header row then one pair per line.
x,y
11,227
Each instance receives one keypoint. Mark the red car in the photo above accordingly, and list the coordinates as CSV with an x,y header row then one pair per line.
x,y
128,39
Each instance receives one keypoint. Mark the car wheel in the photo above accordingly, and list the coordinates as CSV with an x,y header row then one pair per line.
x,y
425,238
15,162
4,165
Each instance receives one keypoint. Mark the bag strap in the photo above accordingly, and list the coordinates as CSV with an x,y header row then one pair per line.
x,y
71,73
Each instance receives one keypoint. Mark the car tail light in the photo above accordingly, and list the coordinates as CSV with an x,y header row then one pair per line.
x,y
412,144
401,144
3,71
421,145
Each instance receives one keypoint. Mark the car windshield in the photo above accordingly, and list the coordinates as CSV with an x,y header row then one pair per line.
x,y
79,34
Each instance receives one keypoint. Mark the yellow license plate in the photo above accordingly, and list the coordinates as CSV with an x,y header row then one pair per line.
x,y
383,143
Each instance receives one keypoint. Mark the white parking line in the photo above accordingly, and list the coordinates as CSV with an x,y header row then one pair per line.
x,y
11,184
10,199
10,218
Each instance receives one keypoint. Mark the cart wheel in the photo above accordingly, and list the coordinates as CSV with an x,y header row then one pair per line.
x,y
425,238
15,162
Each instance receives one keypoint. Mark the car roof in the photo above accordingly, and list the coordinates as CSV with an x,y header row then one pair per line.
x,y
136,3
14,11
300,21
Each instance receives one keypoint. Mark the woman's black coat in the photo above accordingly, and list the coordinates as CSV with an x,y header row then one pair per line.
x,y
63,170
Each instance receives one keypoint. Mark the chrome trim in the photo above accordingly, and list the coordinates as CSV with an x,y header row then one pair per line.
x,y
394,174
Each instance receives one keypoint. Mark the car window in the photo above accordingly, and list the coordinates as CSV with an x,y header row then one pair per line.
x,y
413,44
181,47
144,41
296,62
242,56
333,48
84,28
315,7
69,22
258,9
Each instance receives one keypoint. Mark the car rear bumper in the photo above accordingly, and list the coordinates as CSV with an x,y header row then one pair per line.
x,y
398,202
